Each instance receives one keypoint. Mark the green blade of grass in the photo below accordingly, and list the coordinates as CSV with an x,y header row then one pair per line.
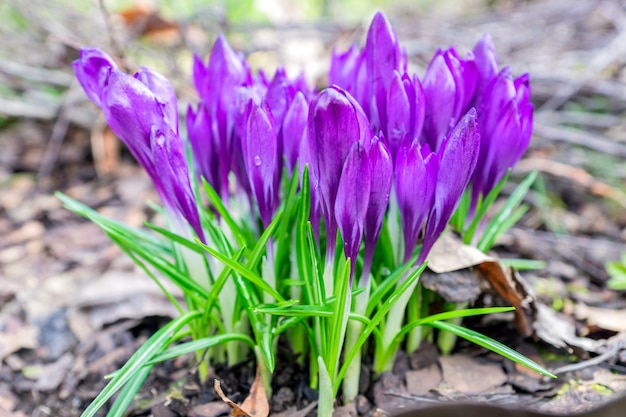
x,y
503,218
482,209
491,344
138,360
123,401
200,344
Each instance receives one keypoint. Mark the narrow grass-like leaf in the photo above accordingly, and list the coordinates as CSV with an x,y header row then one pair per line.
x,y
221,280
484,205
175,238
523,264
260,247
296,311
140,358
215,199
339,320
200,344
378,317
243,271
387,285
447,315
503,218
491,344
123,401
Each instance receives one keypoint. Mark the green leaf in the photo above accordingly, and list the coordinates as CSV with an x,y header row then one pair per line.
x,y
387,285
491,344
251,276
523,264
200,344
503,220
215,199
296,310
123,401
482,209
447,315
378,317
140,358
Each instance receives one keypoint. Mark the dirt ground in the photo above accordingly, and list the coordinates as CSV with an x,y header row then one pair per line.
x,y
73,308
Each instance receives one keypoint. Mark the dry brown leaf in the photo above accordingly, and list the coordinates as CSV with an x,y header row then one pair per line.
x,y
450,254
605,318
555,329
235,409
510,285
257,403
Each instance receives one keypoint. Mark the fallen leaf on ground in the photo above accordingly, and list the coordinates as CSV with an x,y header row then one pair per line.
x,y
605,318
235,409
450,254
510,286
257,403
24,338
554,329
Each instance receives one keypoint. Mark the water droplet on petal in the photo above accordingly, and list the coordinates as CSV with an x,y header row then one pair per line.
x,y
257,160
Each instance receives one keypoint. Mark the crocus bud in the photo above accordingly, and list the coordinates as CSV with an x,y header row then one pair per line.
x,y
215,82
486,67
416,178
141,110
293,128
381,168
202,140
347,70
335,123
505,129
449,85
383,56
351,205
260,145
405,111
163,92
92,69
459,153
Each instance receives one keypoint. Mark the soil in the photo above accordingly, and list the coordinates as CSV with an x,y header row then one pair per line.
x,y
73,308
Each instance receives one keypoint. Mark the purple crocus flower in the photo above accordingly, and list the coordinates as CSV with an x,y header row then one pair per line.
x,y
383,56
405,110
458,157
347,70
376,76
486,67
381,169
449,85
505,129
429,184
141,110
92,69
416,178
218,84
260,144
351,204
335,123
293,128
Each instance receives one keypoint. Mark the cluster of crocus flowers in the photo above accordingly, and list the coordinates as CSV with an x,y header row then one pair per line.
x,y
384,147
419,137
